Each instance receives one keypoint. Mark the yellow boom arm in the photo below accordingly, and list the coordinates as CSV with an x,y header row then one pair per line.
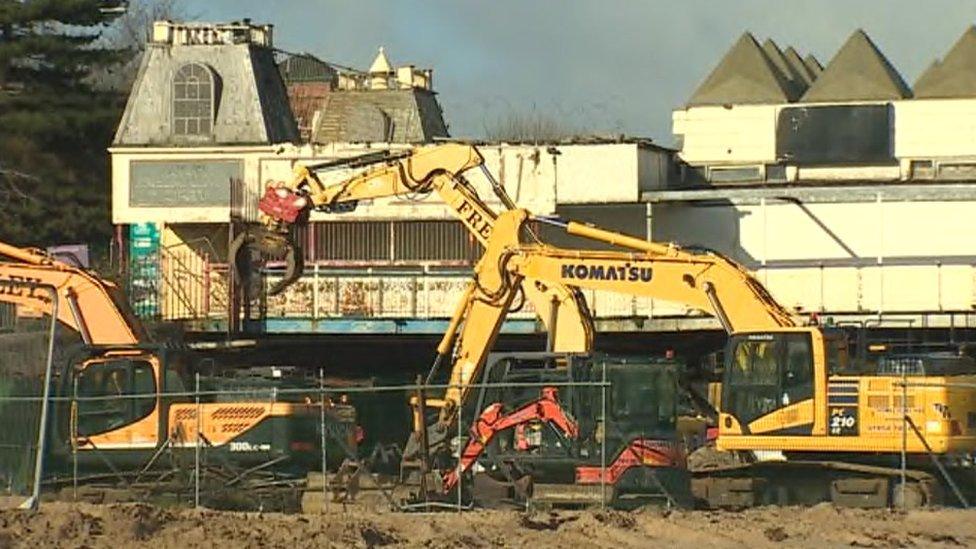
x,y
706,280
439,168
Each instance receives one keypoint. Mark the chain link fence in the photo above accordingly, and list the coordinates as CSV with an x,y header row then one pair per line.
x,y
28,344
156,426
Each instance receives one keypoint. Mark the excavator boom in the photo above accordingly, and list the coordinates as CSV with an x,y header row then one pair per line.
x,y
479,316
93,307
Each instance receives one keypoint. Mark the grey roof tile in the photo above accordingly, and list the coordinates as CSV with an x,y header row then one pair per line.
x,y
399,116
800,69
795,82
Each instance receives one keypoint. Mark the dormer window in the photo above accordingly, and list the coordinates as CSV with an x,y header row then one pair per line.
x,y
193,100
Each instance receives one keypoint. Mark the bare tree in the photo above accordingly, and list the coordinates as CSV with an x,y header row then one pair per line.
x,y
131,32
134,29
531,126
10,190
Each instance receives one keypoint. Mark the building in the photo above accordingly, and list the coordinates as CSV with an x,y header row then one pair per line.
x,y
180,186
851,194
382,104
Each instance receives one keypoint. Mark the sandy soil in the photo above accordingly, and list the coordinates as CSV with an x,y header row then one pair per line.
x,y
124,525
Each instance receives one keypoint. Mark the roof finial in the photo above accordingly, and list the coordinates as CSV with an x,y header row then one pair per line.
x,y
381,64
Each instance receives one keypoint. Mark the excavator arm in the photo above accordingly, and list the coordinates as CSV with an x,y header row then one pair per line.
x,y
93,307
703,280
492,421
435,168
706,281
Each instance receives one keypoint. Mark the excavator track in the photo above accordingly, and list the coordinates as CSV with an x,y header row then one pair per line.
x,y
791,482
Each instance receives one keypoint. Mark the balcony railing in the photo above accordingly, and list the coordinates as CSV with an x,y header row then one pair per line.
x,y
193,288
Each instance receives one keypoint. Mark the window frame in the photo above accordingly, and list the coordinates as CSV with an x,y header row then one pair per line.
x,y
763,384
127,410
193,74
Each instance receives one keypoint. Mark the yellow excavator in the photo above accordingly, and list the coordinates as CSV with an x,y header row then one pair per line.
x,y
439,169
123,414
805,421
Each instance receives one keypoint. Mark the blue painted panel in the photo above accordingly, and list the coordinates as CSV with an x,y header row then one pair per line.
x,y
361,326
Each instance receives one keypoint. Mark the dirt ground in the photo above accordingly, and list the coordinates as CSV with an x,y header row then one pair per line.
x,y
124,525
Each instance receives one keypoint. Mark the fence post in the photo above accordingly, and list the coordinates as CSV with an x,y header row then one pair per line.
x,y
603,438
35,498
904,432
74,439
460,449
325,482
196,451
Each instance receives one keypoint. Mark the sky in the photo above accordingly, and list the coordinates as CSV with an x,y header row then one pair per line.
x,y
597,66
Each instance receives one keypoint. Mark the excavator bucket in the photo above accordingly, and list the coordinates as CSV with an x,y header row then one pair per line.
x,y
254,249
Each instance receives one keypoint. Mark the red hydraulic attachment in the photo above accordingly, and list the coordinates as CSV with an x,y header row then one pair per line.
x,y
491,422
641,452
282,204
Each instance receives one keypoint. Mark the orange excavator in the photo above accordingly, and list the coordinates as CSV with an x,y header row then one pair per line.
x,y
123,400
493,420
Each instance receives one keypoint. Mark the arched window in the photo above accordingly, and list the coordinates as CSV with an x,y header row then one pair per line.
x,y
193,100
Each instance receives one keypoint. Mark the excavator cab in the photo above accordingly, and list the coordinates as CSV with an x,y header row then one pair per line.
x,y
117,394
767,372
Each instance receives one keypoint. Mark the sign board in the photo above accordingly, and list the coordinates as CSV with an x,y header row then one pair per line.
x,y
186,183
144,268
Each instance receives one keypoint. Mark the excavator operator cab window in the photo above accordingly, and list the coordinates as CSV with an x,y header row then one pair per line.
x,y
643,394
837,352
114,393
767,372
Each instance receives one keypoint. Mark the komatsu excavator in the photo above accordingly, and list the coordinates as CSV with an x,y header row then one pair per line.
x,y
132,413
805,421
813,424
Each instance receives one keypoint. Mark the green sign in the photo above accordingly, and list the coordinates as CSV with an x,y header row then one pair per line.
x,y
144,268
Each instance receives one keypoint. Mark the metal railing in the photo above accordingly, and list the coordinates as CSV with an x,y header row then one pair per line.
x,y
192,286
336,292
